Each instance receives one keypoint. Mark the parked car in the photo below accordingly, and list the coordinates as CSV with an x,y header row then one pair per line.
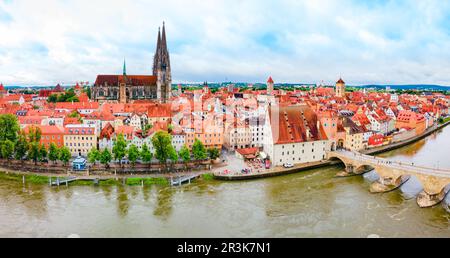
x,y
288,165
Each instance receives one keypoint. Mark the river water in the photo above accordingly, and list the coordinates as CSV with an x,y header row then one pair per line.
x,y
310,204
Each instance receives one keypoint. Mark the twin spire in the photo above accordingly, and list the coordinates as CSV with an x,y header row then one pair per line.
x,y
161,58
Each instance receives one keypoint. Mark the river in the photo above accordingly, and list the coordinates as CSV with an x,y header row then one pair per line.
x,y
309,204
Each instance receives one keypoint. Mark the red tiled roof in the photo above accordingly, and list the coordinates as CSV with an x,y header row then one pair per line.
x,y
77,105
45,129
160,110
270,80
30,120
291,126
134,80
107,132
248,151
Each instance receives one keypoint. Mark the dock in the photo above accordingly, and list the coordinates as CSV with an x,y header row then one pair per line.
x,y
182,180
62,181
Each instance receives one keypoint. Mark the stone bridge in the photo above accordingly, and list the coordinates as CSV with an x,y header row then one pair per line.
x,y
435,182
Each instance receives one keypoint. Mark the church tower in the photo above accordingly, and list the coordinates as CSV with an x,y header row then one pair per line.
x,y
162,69
270,84
340,88
123,85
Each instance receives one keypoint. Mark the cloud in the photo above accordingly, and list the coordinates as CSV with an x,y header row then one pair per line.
x,y
63,41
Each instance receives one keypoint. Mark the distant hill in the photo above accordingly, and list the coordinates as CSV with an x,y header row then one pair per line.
x,y
408,87
422,87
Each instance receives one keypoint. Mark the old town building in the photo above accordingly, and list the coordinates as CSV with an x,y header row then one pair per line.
x,y
129,88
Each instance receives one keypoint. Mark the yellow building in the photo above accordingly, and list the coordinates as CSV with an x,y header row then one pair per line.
x,y
80,139
354,136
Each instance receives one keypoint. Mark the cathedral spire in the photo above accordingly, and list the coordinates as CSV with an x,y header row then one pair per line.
x,y
164,40
157,53
124,67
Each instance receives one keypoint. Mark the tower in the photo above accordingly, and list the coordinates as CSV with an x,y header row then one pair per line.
x,y
270,87
161,68
205,88
123,85
340,88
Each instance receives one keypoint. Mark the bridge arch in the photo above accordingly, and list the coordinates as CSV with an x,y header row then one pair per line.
x,y
362,169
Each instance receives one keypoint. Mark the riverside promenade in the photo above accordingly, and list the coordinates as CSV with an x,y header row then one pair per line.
x,y
279,171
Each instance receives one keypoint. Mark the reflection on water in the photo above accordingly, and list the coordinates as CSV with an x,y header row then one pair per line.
x,y
164,203
123,203
310,204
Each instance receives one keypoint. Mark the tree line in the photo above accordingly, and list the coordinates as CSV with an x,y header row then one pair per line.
x,y
164,152
15,144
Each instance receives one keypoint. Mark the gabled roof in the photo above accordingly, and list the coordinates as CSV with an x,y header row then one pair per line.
x,y
290,124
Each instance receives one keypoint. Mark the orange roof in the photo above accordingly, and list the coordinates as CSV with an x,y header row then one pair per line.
x,y
45,129
27,120
160,110
77,105
107,132
248,151
291,127
125,130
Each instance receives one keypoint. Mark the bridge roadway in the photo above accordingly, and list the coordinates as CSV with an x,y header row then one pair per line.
x,y
376,161
435,181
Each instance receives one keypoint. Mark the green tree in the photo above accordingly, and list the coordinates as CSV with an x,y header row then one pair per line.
x,y
146,154
7,149
93,156
170,128
133,154
65,155
34,153
199,150
52,98
53,153
9,127
185,154
34,134
213,153
120,148
21,147
88,91
147,128
43,153
162,142
105,157
74,114
173,155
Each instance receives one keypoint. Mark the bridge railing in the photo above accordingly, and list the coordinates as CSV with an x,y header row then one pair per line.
x,y
402,165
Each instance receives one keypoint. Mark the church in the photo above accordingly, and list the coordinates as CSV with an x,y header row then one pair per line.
x,y
130,88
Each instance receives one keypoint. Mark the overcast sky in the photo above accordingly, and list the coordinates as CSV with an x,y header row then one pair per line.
x,y
365,42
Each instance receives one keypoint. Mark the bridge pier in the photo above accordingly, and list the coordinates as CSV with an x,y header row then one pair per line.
x,y
388,184
351,170
426,200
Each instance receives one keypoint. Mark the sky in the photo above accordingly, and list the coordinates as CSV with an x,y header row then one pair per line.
x,y
365,42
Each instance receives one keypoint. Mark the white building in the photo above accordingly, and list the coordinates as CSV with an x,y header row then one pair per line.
x,y
293,135
256,125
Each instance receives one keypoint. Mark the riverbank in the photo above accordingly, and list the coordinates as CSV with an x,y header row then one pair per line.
x,y
280,171
44,180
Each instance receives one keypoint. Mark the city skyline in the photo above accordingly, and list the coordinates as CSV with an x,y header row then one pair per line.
x,y
387,42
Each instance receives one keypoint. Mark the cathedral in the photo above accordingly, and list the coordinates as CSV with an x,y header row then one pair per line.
x,y
129,88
